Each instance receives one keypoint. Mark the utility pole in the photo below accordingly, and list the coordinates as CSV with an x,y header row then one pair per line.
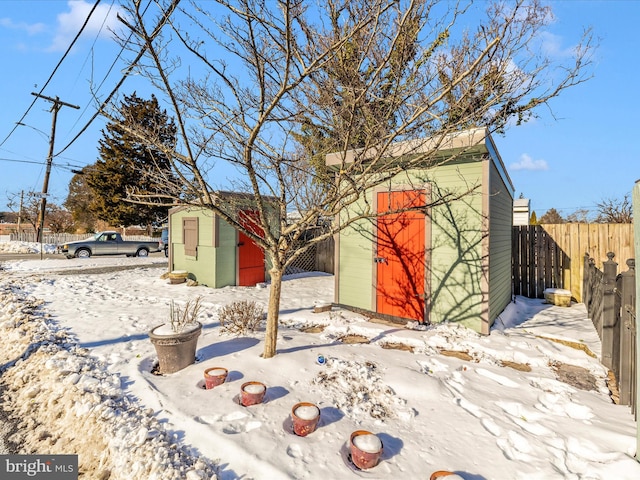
x,y
57,104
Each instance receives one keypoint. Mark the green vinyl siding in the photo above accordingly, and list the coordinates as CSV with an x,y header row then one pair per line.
x,y
456,235
500,226
225,256
456,245
214,266
468,257
355,274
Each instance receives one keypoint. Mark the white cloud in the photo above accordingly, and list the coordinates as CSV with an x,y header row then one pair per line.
x,y
552,45
30,28
69,23
528,163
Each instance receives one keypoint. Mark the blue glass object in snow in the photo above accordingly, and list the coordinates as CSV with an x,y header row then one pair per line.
x,y
321,360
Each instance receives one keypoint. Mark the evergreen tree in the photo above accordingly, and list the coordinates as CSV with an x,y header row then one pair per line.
x,y
533,219
128,165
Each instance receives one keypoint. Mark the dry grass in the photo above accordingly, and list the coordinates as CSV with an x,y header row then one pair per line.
x,y
397,346
313,329
521,367
457,354
576,345
352,339
575,376
613,387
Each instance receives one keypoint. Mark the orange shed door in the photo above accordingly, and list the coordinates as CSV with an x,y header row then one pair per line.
x,y
250,256
400,255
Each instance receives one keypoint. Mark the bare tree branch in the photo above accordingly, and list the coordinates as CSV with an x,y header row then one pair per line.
x,y
382,85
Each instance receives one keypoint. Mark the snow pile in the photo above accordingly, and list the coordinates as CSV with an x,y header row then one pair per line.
x,y
358,390
26,247
81,406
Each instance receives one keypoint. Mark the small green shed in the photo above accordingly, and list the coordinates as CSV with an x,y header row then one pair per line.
x,y
211,250
451,263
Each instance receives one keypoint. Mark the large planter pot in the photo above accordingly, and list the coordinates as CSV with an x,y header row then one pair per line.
x,y
175,350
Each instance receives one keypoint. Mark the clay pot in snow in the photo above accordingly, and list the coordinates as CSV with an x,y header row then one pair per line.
x,y
366,449
252,393
305,417
214,376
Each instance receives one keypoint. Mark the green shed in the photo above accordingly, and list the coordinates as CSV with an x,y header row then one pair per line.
x,y
211,250
450,263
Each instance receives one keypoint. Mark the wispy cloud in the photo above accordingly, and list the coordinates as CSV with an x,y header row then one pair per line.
x,y
552,45
29,28
69,23
528,163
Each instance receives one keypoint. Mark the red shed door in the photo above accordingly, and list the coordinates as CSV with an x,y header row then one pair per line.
x,y
250,255
400,255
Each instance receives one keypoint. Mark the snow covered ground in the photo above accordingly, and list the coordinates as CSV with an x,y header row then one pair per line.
x,y
26,247
76,363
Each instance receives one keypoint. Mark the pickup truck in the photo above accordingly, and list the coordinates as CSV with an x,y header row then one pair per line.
x,y
109,243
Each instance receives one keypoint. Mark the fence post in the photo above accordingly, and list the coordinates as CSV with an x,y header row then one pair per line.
x,y
609,317
626,380
586,282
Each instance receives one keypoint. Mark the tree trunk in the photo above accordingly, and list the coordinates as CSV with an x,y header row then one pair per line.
x,y
273,313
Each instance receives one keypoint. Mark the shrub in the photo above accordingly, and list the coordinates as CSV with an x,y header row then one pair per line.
x,y
240,318
180,317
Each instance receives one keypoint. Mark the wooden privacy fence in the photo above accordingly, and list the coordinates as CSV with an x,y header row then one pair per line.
x,y
610,299
551,255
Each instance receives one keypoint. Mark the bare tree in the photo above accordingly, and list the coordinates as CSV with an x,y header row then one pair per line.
x,y
380,84
56,218
612,210
551,216
581,215
30,205
59,219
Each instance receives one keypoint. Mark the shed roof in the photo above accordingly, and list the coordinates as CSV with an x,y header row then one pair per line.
x,y
471,141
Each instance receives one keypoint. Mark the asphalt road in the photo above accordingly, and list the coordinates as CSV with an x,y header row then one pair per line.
x,y
102,269
54,256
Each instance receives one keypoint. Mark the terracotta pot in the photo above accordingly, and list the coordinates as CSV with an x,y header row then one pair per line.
x,y
175,351
214,376
305,417
252,393
445,475
366,449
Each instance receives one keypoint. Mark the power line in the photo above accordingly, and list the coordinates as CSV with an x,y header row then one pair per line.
x,y
21,161
73,42
118,85
106,75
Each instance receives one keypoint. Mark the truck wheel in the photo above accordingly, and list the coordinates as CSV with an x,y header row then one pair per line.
x,y
143,252
83,253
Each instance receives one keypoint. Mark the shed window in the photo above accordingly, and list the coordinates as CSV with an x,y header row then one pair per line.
x,y
190,235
